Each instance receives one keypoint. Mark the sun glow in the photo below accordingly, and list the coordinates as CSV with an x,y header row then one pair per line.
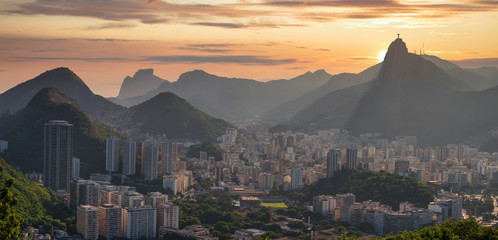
x,y
381,55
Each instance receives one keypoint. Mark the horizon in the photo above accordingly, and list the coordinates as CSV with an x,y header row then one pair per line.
x,y
262,40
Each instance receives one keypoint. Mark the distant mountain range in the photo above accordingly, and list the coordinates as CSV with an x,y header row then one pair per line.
x,y
407,94
230,98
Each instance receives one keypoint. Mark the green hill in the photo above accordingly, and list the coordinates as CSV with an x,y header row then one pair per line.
x,y
24,131
37,205
463,229
386,188
169,114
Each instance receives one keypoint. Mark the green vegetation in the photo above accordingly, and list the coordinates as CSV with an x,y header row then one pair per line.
x,y
35,204
24,131
477,207
463,229
222,218
212,150
10,222
274,205
169,114
384,187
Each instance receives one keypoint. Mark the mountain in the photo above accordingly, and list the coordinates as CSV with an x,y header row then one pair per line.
x,y
24,131
67,82
410,96
290,109
169,114
489,73
465,78
37,205
233,98
142,82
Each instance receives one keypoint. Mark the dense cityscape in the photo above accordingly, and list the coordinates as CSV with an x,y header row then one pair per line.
x,y
249,165
248,119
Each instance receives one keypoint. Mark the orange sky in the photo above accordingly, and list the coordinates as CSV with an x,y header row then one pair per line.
x,y
104,41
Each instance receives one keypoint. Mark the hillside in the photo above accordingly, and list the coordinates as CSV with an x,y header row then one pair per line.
x,y
410,96
37,205
463,229
24,131
169,114
386,188
291,109
67,82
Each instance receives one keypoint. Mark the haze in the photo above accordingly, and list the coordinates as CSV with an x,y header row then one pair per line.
x,y
103,41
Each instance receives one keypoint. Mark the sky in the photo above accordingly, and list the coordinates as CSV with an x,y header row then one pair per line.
x,y
103,41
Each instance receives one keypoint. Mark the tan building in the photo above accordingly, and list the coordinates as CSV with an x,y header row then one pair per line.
x,y
109,221
87,221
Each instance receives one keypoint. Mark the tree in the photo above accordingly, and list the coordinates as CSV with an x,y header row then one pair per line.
x,y
10,222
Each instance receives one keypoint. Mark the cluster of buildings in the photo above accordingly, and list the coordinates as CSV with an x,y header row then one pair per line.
x,y
117,211
288,160
383,220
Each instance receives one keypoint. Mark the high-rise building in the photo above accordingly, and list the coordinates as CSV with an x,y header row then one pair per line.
x,y
332,162
129,157
171,183
265,181
57,155
109,221
169,151
138,222
4,145
149,160
351,159
154,199
401,166
296,179
87,221
460,153
131,199
442,153
168,215
84,192
112,154
75,168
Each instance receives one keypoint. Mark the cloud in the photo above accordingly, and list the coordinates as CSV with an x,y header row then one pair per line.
x,y
2,70
194,59
238,59
476,62
364,58
284,13
85,59
217,47
110,25
152,2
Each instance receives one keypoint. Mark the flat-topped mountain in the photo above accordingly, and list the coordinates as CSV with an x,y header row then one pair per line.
x,y
142,82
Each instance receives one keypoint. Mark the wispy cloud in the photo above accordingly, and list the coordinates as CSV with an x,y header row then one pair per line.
x,y
216,48
364,58
217,59
1,70
110,25
237,59
245,14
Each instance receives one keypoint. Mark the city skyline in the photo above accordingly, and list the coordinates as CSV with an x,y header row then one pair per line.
x,y
262,40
